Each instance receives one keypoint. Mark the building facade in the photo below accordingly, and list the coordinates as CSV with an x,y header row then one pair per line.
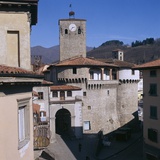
x,y
16,79
151,109
108,101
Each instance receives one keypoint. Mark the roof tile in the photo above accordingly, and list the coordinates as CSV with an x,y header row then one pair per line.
x,y
152,64
64,87
83,61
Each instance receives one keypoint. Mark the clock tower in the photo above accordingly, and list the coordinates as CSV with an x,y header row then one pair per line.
x,y
72,37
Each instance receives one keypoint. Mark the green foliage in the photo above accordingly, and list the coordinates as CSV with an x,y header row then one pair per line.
x,y
112,42
144,42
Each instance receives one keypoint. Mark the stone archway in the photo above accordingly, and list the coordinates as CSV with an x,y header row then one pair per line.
x,y
63,121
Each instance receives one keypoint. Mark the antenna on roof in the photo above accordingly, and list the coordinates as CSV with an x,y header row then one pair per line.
x,y
71,13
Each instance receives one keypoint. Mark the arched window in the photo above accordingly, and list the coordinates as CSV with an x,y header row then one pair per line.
x,y
66,31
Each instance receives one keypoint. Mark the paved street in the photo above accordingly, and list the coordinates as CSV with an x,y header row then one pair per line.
x,y
130,150
134,152
69,149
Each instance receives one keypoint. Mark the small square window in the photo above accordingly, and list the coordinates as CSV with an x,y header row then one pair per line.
x,y
69,93
74,70
54,93
152,135
89,107
84,93
153,112
86,125
153,73
40,95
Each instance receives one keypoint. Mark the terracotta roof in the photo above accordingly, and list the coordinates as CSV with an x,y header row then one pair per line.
x,y
36,108
13,70
120,64
64,87
34,93
152,64
82,61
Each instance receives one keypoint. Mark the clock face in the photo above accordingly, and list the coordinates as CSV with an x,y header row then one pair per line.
x,y
72,27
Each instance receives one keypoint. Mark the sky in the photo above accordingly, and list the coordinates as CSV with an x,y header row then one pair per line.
x,y
124,20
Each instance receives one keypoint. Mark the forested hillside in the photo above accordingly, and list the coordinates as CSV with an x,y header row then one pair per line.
x,y
140,52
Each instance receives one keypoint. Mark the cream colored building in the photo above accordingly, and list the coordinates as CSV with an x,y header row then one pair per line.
x,y
151,109
16,79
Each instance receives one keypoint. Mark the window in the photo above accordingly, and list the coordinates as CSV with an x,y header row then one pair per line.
x,y
89,107
91,75
69,93
62,95
40,95
152,135
74,70
84,94
153,90
54,93
23,122
79,30
153,112
66,31
133,72
86,125
153,73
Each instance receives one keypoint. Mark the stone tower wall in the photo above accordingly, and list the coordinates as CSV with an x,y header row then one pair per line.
x,y
72,44
100,108
127,98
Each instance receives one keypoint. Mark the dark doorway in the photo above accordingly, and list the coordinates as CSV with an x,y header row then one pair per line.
x,y
63,121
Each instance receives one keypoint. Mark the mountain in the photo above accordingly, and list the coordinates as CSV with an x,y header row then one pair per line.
x,y
48,55
137,55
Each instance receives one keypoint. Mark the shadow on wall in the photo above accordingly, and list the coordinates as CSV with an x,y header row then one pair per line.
x,y
98,140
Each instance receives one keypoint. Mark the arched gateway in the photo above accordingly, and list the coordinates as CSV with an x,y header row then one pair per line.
x,y
63,121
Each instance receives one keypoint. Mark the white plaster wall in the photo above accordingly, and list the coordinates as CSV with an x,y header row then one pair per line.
x,y
127,74
140,85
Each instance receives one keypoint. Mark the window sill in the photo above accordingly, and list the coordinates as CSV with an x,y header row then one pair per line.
x,y
23,143
154,118
153,95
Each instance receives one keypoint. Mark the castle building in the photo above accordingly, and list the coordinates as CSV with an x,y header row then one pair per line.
x,y
151,108
109,96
